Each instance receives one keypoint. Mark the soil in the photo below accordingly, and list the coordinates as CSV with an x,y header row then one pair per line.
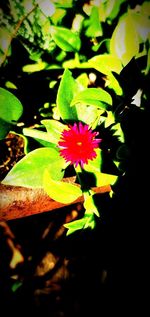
x,y
11,151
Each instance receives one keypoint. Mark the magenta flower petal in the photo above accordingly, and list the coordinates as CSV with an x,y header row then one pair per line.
x,y
78,143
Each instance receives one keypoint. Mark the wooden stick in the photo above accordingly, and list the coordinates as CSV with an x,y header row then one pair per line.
x,y
19,202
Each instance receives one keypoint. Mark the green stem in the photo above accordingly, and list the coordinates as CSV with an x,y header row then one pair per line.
x,y
79,170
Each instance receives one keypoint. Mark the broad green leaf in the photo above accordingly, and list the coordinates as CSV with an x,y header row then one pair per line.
x,y
10,111
94,26
87,114
65,39
54,129
124,43
106,63
62,192
93,96
28,172
66,91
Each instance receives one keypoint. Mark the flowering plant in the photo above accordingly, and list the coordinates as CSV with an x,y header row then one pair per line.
x,y
84,137
73,141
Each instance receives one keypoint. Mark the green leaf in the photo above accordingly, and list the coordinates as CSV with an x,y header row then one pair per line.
x,y
124,43
28,172
10,111
64,4
65,39
94,26
31,68
89,205
113,83
87,114
75,225
66,91
93,96
54,129
83,80
94,165
62,192
112,8
103,179
36,134
106,63
10,85
87,221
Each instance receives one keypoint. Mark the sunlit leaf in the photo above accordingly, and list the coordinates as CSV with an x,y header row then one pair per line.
x,y
36,134
113,83
94,165
10,85
62,192
94,26
103,179
118,132
66,90
90,206
83,80
87,113
31,68
106,63
54,129
66,39
93,96
28,172
64,4
124,42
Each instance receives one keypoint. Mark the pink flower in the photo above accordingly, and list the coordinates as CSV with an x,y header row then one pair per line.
x,y
77,144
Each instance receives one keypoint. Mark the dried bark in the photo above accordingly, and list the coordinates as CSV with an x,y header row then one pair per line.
x,y
19,202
